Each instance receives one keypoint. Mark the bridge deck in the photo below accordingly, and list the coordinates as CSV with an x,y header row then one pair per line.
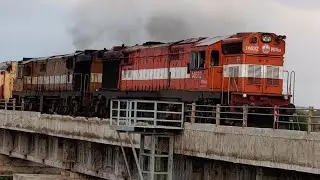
x,y
284,149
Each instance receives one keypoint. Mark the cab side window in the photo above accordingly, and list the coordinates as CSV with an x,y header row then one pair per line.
x,y
215,58
197,60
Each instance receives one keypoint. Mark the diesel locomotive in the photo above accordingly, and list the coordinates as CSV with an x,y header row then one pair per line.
x,y
233,70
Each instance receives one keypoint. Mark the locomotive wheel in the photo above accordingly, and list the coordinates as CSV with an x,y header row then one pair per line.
x,y
102,112
288,110
74,108
291,110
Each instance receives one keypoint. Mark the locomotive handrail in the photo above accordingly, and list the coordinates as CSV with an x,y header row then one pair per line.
x,y
292,90
287,83
291,83
229,84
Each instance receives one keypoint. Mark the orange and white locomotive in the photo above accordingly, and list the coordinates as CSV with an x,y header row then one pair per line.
x,y
245,68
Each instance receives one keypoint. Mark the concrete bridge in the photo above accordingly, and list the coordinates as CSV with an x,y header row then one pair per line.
x,y
201,151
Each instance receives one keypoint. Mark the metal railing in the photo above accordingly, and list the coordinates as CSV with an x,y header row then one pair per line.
x,y
146,114
10,104
172,115
301,119
214,114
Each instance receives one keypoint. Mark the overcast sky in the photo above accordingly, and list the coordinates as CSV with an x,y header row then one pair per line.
x,y
40,28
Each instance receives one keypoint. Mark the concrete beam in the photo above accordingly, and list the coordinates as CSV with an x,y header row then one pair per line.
x,y
46,177
61,153
10,165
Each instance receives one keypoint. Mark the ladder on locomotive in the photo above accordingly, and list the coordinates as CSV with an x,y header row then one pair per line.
x,y
157,122
232,84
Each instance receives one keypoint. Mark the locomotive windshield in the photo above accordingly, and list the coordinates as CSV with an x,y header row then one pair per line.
x,y
232,48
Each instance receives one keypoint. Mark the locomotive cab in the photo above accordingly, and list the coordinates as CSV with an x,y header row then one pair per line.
x,y
253,71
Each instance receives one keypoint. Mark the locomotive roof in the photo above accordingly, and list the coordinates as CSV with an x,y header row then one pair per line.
x,y
116,52
137,47
66,55
212,40
200,41
50,57
191,40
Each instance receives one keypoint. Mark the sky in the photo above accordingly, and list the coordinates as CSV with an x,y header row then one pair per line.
x,y
36,28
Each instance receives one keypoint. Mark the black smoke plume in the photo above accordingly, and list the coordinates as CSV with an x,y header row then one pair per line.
x,y
104,23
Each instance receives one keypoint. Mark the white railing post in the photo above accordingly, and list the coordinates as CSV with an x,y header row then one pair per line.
x,y
135,112
130,114
6,110
111,111
218,110
193,113
22,104
6,105
245,116
310,114
127,112
182,114
13,108
275,117
118,113
14,104
155,114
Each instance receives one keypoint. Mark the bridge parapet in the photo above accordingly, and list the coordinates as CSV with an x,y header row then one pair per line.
x,y
92,129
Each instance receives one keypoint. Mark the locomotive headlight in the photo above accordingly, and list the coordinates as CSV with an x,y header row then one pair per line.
x,y
244,95
285,97
266,38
